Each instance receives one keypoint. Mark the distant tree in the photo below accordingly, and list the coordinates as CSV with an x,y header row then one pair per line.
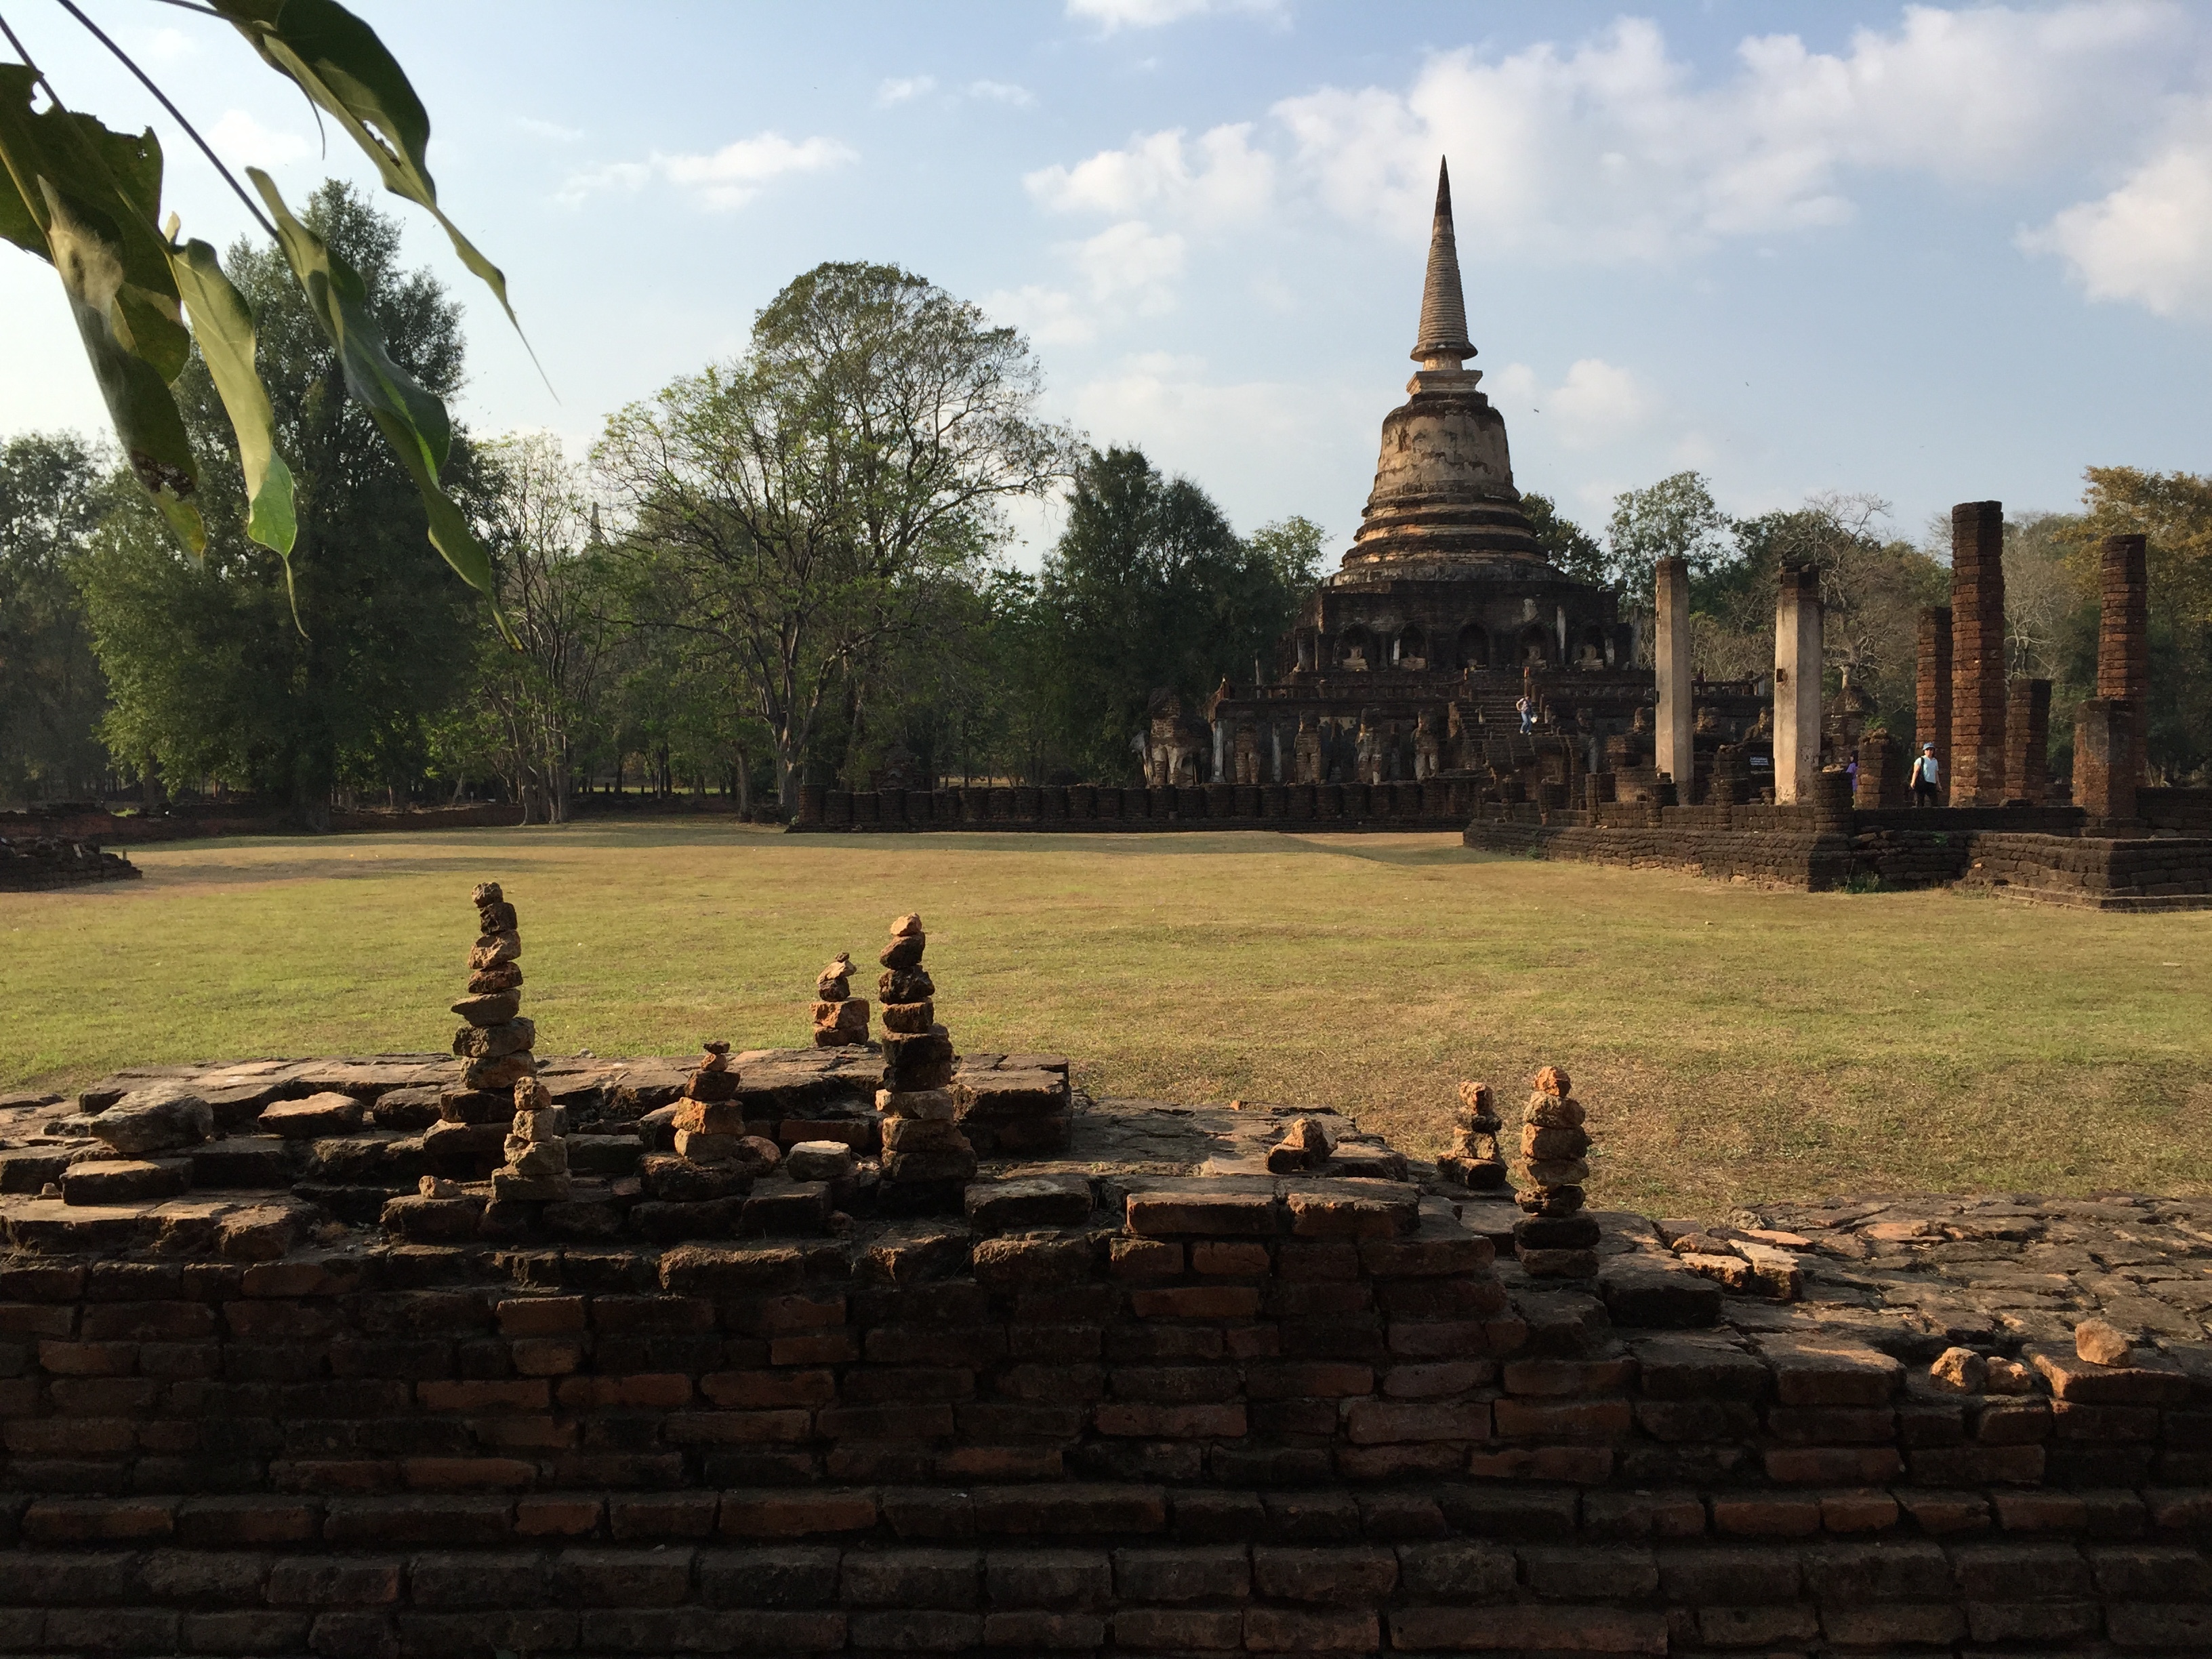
x,y
1150,587
1675,518
814,496
211,674
53,490
1566,543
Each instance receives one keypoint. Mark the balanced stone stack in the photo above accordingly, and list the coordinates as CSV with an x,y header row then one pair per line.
x,y
710,1120
927,1159
841,1020
536,1167
1475,1160
1555,1239
498,1040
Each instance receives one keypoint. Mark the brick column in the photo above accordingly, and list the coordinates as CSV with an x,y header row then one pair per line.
x,y
2103,760
2124,636
1796,685
1878,773
1675,753
1932,718
1978,655
2028,742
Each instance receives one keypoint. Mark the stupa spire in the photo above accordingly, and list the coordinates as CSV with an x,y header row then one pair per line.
x,y
1443,342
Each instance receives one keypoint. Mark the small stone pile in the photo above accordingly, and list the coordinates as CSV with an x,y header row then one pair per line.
x,y
710,1121
926,1159
1475,1160
498,1040
841,1020
536,1167
1555,1240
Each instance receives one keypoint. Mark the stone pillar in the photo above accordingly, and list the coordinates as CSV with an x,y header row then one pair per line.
x,y
1978,655
1797,686
1671,651
2104,758
2028,742
2124,637
1932,716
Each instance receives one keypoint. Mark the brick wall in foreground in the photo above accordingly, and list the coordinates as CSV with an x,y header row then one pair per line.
x,y
1221,1416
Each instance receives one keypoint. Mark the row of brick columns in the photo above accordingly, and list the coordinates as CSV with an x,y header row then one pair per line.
x,y
1992,733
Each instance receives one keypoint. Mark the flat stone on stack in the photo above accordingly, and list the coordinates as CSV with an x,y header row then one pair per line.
x,y
924,1151
498,1040
1475,1160
841,1020
1555,1240
536,1167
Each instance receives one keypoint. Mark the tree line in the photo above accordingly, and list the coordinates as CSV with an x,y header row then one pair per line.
x,y
792,566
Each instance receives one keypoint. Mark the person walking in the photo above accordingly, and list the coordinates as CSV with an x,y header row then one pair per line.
x,y
1927,777
1527,710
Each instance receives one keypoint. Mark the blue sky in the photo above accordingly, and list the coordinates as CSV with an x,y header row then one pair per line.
x,y
1933,254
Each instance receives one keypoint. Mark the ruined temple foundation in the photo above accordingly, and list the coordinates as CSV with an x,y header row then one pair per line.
x,y
1143,1397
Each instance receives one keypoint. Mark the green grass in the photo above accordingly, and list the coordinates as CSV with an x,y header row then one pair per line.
x,y
1734,1044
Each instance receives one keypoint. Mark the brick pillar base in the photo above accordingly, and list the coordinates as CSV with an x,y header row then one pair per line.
x,y
2104,759
2028,742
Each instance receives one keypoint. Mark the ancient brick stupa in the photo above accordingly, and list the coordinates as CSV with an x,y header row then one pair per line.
x,y
927,1159
841,1020
1555,1240
498,1040
1475,1160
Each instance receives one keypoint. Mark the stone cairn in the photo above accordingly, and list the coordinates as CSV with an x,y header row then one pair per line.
x,y
841,1020
710,1122
1475,1160
926,1159
536,1167
498,1040
1554,1240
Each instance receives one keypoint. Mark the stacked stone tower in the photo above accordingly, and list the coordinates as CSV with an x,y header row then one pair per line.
x,y
536,1167
926,1159
497,1041
1556,1240
1475,1160
841,1020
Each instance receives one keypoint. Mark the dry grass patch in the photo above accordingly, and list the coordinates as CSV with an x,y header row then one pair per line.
x,y
1734,1044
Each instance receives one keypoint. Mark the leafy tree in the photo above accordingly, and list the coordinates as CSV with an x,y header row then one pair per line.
x,y
52,488
1566,543
814,499
554,586
211,672
1149,588
1676,518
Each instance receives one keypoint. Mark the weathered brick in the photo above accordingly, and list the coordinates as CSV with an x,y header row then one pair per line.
x,y
791,1576
1456,1570
1933,1624
1169,1422
1548,1629
1196,1302
1060,1509
1152,1629
1382,1422
1616,1571
1218,1574
205,1577
773,1514
416,1521
98,1520
1277,1629
663,1515
623,1578
477,1579
1021,1579
1562,1419
322,1581
1766,1517
243,1633
1900,1570
917,1631
1348,1577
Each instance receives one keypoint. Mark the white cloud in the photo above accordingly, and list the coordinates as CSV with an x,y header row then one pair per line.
x,y
1598,403
551,131
1113,15
1166,402
729,178
167,46
1608,150
240,138
1220,178
897,90
1001,92
1049,316
2149,240
1130,263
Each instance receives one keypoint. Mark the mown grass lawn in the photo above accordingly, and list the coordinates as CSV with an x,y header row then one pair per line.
x,y
1734,1044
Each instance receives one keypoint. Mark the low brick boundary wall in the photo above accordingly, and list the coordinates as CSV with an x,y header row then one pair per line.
x,y
1439,803
50,862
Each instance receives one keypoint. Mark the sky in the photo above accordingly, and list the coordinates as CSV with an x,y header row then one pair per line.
x,y
1932,254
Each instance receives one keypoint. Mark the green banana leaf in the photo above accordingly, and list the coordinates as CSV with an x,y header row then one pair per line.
x,y
338,62
413,420
81,198
222,323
